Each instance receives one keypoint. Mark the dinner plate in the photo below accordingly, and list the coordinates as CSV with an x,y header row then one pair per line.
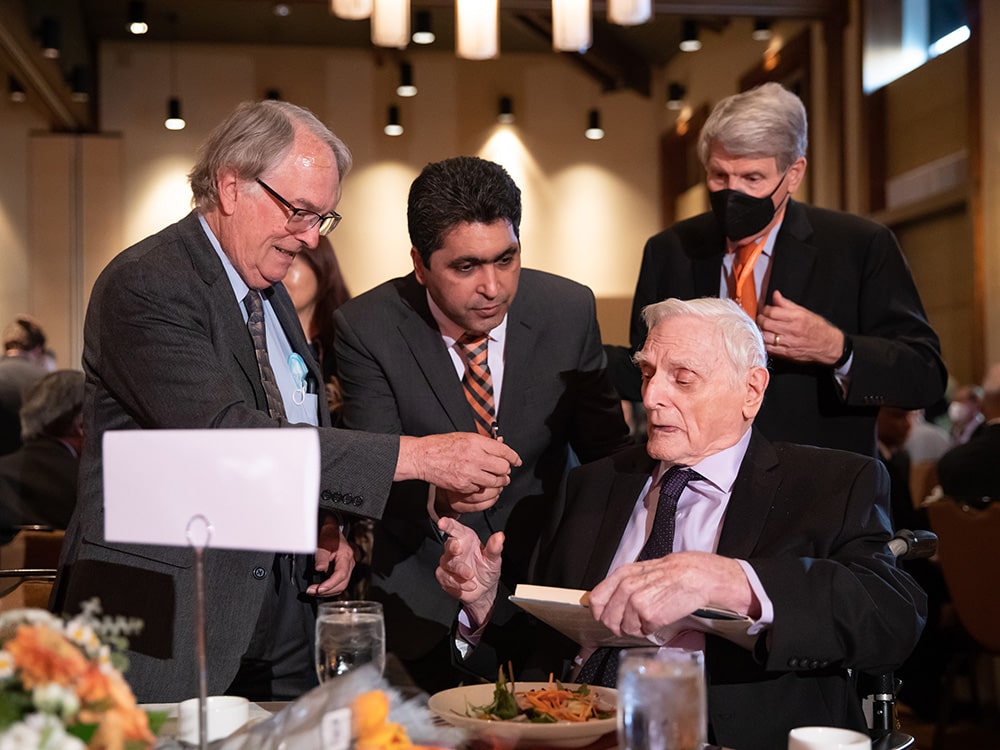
x,y
451,705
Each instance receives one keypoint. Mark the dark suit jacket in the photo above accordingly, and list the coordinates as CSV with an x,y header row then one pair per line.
x,y
814,524
844,268
165,346
38,484
398,378
16,375
971,470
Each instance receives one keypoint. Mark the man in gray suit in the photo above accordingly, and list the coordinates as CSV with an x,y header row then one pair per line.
x,y
167,345
540,384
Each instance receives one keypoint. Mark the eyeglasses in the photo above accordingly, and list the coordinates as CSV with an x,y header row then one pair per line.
x,y
302,219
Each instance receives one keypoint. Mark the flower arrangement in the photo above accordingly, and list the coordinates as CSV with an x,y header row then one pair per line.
x,y
60,688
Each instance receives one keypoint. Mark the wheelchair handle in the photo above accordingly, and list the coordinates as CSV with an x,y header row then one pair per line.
x,y
913,545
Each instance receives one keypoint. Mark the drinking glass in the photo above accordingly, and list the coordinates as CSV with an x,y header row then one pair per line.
x,y
661,699
349,634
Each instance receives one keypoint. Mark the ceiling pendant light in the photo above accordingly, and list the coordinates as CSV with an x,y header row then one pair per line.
x,y
689,36
15,90
571,25
50,38
406,87
352,10
137,17
505,112
423,31
392,125
675,95
476,29
174,120
594,130
761,30
391,23
629,12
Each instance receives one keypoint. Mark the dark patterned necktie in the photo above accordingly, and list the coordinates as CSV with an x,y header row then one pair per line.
x,y
601,668
255,323
478,383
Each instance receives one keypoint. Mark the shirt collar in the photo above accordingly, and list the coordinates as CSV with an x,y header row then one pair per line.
x,y
720,468
240,287
452,332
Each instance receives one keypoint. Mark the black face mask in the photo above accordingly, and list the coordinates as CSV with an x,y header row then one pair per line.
x,y
743,215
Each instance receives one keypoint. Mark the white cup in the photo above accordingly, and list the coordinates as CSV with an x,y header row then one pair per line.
x,y
226,714
827,738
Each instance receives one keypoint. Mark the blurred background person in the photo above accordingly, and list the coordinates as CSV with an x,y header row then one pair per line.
x,y
965,413
970,471
22,364
38,482
317,288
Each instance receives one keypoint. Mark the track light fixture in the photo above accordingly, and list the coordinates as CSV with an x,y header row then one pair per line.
x,y
675,95
15,90
174,120
137,17
406,87
594,130
393,126
689,36
505,112
423,31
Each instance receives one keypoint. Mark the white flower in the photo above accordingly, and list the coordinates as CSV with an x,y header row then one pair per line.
x,y
55,699
80,632
39,732
6,664
11,620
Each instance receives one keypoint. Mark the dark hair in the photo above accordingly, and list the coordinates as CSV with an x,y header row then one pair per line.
x,y
331,291
456,191
24,334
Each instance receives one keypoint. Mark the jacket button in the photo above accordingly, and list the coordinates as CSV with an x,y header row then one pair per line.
x,y
259,573
326,495
793,662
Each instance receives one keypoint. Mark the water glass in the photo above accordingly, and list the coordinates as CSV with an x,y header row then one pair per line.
x,y
661,699
348,635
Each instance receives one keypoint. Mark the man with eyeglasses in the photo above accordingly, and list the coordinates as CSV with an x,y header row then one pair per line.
x,y
192,328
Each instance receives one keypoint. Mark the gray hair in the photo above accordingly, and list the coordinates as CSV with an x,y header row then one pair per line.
x,y
255,137
765,121
52,404
741,338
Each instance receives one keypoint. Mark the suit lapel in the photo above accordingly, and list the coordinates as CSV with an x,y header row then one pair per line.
x,y
706,264
794,256
751,500
519,352
420,332
627,482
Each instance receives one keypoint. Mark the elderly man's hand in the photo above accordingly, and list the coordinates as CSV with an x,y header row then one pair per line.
x,y
468,570
793,332
642,597
463,462
334,555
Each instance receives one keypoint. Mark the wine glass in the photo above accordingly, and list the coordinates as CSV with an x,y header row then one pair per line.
x,y
348,635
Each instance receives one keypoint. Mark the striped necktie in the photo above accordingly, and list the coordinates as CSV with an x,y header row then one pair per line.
x,y
478,383
255,324
601,668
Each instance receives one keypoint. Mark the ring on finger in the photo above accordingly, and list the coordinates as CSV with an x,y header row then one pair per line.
x,y
777,339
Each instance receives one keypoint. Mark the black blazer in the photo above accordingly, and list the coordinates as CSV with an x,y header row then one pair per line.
x,y
814,524
844,268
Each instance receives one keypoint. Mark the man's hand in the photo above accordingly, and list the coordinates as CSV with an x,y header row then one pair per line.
x,y
793,332
468,570
642,597
464,462
334,554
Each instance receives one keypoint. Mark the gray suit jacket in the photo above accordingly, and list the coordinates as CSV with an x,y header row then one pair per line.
x,y
165,346
398,378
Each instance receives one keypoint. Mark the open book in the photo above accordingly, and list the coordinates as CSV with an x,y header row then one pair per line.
x,y
568,611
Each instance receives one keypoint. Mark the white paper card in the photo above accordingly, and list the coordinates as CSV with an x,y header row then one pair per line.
x,y
257,489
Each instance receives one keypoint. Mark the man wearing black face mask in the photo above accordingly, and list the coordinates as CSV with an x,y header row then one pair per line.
x,y
842,321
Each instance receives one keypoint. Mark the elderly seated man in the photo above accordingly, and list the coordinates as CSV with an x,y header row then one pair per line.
x,y
709,512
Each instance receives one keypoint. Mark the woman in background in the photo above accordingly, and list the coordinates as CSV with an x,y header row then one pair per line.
x,y
317,288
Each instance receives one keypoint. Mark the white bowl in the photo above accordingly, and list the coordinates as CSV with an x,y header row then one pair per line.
x,y
226,714
827,738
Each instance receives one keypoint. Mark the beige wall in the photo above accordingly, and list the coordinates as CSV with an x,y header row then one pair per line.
x,y
990,103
